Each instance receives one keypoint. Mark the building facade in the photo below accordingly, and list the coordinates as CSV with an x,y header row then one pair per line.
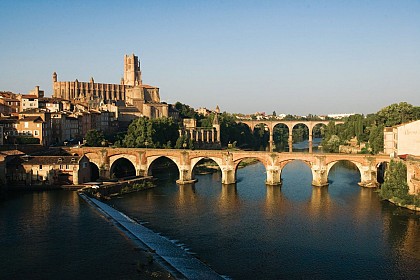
x,y
131,90
403,139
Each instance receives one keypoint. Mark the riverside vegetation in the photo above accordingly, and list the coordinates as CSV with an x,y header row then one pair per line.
x,y
395,187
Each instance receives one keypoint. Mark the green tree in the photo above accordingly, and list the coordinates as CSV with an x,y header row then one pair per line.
x,y
395,183
376,139
153,133
185,111
184,142
395,114
332,145
94,138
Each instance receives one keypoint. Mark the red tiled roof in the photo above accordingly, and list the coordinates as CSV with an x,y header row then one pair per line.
x,y
29,96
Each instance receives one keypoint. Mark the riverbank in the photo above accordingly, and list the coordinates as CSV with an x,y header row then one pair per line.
x,y
176,261
410,207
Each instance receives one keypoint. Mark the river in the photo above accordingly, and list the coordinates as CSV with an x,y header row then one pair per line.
x,y
243,231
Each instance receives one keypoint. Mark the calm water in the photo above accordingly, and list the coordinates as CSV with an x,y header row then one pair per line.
x,y
243,231
250,231
56,235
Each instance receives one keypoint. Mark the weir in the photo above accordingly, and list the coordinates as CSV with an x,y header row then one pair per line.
x,y
179,260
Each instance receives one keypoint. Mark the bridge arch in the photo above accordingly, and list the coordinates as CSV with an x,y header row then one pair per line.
x,y
197,160
357,164
290,124
122,167
94,171
95,166
238,162
262,133
152,159
131,158
286,162
281,139
163,167
94,158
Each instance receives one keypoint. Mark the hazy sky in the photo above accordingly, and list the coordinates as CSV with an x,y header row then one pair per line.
x,y
293,57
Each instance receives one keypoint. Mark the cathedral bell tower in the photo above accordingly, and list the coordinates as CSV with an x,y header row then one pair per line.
x,y
132,73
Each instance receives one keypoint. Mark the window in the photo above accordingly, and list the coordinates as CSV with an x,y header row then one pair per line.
x,y
36,132
40,167
26,124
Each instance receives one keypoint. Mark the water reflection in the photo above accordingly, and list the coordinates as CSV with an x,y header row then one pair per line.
x,y
186,195
320,203
276,204
411,240
228,199
402,229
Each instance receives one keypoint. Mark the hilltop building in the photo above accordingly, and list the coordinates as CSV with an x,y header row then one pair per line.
x,y
131,94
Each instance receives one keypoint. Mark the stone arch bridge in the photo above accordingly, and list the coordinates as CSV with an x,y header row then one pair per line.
x,y
290,125
228,162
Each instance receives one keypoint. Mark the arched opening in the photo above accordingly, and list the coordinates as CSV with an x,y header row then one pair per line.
x,y
281,138
380,172
296,177
342,175
122,168
330,141
318,132
300,136
94,172
241,136
205,166
261,137
253,172
163,168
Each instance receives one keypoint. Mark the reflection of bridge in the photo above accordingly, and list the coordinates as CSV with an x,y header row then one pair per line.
x,y
320,164
290,124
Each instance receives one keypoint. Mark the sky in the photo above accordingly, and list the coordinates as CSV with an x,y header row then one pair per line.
x,y
291,57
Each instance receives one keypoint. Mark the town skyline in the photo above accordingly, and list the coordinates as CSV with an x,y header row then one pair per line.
x,y
293,58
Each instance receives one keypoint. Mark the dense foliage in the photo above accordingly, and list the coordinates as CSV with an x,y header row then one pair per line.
x,y
395,185
369,128
153,133
185,111
94,138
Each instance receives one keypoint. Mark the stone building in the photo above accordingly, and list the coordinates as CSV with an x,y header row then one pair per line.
x,y
202,137
55,170
9,103
144,98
